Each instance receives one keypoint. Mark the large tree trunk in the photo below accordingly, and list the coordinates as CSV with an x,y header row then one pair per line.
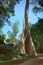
x,y
28,46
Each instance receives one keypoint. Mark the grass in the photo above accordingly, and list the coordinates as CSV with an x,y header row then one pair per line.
x,y
4,58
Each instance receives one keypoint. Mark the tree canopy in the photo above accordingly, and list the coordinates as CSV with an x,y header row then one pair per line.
x,y
37,35
6,10
37,5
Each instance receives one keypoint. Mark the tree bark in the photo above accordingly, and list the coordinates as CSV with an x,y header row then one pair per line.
x,y
27,43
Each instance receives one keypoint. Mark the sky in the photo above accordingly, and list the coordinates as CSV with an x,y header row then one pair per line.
x,y
19,16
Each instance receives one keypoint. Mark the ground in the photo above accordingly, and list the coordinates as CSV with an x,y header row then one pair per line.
x,y
34,61
31,61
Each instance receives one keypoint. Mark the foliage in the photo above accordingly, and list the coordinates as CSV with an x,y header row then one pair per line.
x,y
5,57
1,33
15,28
38,5
37,35
6,10
40,25
12,35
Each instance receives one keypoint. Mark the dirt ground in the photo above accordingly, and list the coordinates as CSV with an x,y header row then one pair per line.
x,y
34,61
31,61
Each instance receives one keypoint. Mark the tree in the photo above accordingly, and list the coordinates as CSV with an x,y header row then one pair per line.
x,y
26,34
38,6
6,10
15,28
1,33
12,35
28,46
40,25
37,35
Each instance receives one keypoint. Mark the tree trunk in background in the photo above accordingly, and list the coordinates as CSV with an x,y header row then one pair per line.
x,y
27,44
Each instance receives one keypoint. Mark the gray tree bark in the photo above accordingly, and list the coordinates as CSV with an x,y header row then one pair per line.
x,y
27,43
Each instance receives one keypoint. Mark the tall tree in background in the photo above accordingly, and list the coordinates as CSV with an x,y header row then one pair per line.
x,y
28,46
15,29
